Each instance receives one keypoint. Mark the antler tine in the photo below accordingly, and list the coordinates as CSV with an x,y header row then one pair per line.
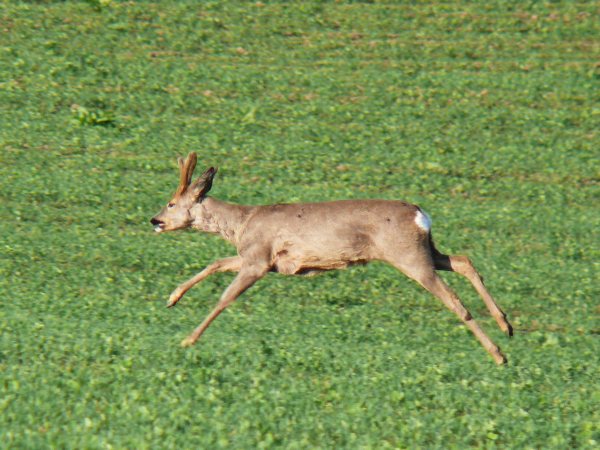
x,y
186,169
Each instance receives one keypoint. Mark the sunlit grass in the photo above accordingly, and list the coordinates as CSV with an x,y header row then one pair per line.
x,y
483,113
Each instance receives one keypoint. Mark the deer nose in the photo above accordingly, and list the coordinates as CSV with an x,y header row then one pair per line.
x,y
155,221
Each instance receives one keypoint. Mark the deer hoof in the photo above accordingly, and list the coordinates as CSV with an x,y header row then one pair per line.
x,y
188,342
500,358
173,299
507,328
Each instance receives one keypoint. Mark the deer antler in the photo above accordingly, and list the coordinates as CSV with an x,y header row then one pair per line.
x,y
186,170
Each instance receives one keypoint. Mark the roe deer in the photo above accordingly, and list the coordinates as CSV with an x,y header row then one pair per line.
x,y
305,238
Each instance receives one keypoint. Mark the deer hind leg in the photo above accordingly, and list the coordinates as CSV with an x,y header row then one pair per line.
x,y
422,270
464,266
247,276
232,264
440,289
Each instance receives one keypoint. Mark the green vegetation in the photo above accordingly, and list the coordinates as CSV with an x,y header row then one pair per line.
x,y
483,113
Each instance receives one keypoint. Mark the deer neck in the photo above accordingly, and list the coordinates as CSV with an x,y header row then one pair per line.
x,y
214,216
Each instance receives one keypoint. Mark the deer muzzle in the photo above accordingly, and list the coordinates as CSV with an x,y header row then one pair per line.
x,y
159,225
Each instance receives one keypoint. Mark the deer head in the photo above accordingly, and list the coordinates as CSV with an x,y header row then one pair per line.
x,y
176,214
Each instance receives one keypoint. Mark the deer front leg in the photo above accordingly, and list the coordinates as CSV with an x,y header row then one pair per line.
x,y
231,264
247,276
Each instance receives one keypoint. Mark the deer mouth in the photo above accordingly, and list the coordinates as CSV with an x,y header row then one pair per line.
x,y
159,225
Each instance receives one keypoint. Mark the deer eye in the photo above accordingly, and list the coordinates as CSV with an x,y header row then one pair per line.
x,y
171,205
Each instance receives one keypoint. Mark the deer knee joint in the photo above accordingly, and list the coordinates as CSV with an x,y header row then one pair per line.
x,y
464,263
462,312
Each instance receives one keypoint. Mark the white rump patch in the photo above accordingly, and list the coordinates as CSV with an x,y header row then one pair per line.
x,y
423,220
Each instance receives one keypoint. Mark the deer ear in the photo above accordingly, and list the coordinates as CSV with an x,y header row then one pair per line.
x,y
203,184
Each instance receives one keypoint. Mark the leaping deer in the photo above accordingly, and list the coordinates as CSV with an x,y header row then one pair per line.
x,y
306,238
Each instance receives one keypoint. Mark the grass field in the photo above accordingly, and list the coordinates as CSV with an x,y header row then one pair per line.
x,y
486,114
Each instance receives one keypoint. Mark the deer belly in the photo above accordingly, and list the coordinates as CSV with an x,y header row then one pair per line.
x,y
288,263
